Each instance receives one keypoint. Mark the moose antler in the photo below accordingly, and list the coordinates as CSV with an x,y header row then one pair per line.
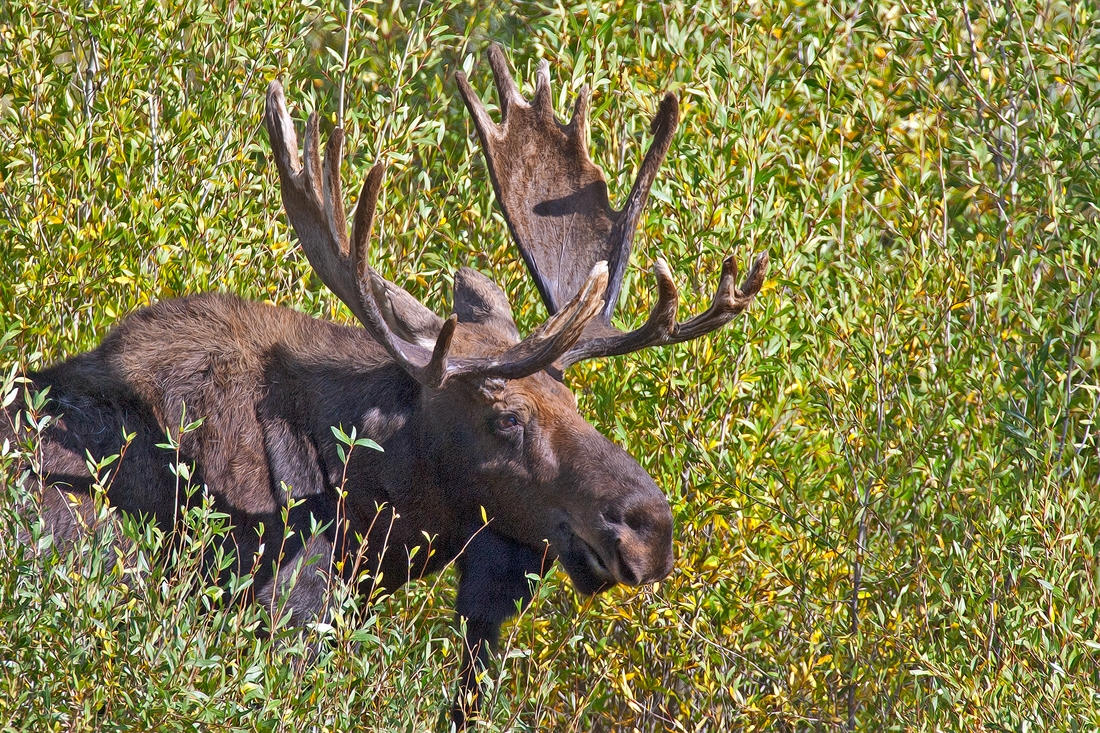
x,y
556,205
314,204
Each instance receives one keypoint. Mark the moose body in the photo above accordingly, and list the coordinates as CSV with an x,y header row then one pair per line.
x,y
269,384
485,460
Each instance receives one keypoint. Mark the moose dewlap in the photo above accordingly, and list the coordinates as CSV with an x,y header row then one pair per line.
x,y
474,420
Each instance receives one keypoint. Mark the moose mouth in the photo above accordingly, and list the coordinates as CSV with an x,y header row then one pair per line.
x,y
588,571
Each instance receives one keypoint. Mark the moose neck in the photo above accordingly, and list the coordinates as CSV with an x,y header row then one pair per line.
x,y
397,499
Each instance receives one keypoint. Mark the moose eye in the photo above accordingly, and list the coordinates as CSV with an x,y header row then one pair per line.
x,y
507,422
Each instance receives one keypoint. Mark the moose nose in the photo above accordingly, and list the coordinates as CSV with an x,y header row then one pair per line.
x,y
643,541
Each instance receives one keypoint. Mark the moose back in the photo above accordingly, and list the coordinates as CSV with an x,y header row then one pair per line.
x,y
474,420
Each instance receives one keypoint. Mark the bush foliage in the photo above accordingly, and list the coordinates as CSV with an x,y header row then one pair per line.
x,y
884,475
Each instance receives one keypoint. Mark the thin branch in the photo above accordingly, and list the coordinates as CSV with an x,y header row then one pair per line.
x,y
344,61
154,121
246,91
384,131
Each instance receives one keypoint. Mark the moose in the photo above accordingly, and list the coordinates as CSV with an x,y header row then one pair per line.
x,y
485,460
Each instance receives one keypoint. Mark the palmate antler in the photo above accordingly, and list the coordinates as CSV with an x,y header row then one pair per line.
x,y
314,204
556,205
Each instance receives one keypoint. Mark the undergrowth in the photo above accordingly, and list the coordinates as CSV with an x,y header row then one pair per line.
x,y
884,475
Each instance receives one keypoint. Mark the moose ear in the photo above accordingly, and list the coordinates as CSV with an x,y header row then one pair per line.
x,y
479,300
405,315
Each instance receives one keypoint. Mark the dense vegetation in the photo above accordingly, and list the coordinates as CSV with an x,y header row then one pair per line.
x,y
884,475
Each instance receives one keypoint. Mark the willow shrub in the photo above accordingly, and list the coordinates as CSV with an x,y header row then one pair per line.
x,y
884,475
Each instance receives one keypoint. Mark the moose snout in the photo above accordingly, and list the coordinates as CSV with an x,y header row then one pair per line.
x,y
619,528
642,540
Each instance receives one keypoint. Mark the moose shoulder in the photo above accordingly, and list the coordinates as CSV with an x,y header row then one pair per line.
x,y
473,419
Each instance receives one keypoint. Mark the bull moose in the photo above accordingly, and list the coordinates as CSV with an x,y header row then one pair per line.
x,y
485,462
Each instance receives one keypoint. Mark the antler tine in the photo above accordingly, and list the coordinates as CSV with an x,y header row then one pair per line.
x,y
507,91
575,311
312,173
550,341
729,300
579,120
436,371
284,141
542,102
507,94
363,218
661,327
486,128
662,127
332,192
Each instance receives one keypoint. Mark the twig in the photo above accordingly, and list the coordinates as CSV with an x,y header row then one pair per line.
x,y
1070,368
864,511
90,71
154,120
384,131
400,80
344,62
246,89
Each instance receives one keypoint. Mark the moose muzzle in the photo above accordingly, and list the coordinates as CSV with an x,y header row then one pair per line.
x,y
625,534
